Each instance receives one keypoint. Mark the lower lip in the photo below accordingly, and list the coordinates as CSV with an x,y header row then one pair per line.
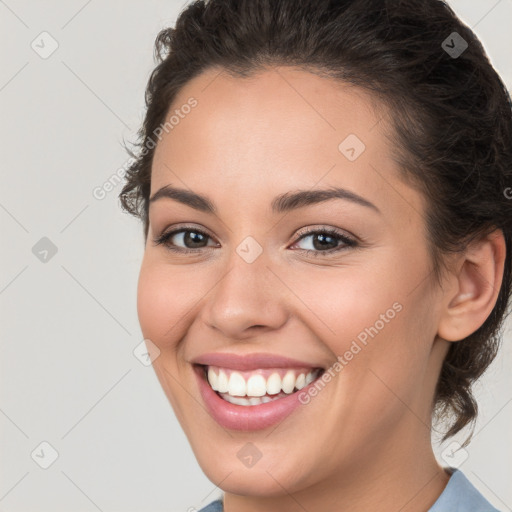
x,y
241,417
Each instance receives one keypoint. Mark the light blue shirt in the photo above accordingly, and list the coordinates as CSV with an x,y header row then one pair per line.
x,y
459,495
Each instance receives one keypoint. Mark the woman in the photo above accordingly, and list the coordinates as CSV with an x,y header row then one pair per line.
x,y
323,190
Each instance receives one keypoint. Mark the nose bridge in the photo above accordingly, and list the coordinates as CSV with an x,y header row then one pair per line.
x,y
246,294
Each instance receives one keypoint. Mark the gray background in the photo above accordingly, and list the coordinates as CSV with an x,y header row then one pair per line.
x,y
69,325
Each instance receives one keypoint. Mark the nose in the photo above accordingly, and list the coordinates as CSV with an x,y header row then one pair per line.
x,y
247,300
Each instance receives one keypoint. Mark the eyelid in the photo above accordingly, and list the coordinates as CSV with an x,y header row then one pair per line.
x,y
301,232
315,228
348,241
184,227
179,228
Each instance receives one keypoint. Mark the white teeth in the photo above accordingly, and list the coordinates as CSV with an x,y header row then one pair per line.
x,y
238,400
256,386
222,382
301,381
274,384
213,379
288,382
237,385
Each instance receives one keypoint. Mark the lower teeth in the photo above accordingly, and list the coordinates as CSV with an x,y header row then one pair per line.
x,y
254,400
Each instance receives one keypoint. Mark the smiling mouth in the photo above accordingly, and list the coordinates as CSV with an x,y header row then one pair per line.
x,y
259,386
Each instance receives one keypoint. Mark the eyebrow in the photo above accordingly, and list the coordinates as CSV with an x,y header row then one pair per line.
x,y
280,204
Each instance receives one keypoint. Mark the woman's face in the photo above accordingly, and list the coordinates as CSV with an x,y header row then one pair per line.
x,y
356,302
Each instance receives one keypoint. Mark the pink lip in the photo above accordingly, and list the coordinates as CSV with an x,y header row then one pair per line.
x,y
250,361
245,418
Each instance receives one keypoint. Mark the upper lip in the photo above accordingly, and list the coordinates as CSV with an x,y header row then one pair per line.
x,y
247,362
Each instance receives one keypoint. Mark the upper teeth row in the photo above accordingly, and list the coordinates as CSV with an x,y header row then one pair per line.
x,y
256,384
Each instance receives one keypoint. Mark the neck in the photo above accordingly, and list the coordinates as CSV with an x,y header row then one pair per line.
x,y
403,475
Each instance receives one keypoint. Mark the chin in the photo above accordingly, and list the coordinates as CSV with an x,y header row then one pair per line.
x,y
268,477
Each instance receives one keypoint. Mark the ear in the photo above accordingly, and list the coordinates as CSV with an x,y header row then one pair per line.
x,y
476,285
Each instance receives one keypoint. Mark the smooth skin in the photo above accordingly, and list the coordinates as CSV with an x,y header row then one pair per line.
x,y
364,442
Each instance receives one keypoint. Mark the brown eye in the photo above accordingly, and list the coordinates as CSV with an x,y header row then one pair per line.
x,y
191,239
326,241
184,240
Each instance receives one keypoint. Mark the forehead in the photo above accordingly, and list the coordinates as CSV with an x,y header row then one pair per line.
x,y
280,129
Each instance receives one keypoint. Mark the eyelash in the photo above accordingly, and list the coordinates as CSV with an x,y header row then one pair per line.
x,y
347,241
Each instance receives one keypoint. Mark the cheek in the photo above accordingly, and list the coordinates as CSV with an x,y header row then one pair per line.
x,y
164,301
374,326
347,304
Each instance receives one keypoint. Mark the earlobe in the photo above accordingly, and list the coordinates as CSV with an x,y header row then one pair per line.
x,y
477,287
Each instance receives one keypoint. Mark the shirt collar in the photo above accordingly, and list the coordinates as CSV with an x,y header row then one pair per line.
x,y
460,495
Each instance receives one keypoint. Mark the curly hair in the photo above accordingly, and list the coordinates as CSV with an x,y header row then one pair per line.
x,y
451,122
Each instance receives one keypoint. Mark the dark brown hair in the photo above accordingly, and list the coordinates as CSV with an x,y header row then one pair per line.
x,y
451,119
